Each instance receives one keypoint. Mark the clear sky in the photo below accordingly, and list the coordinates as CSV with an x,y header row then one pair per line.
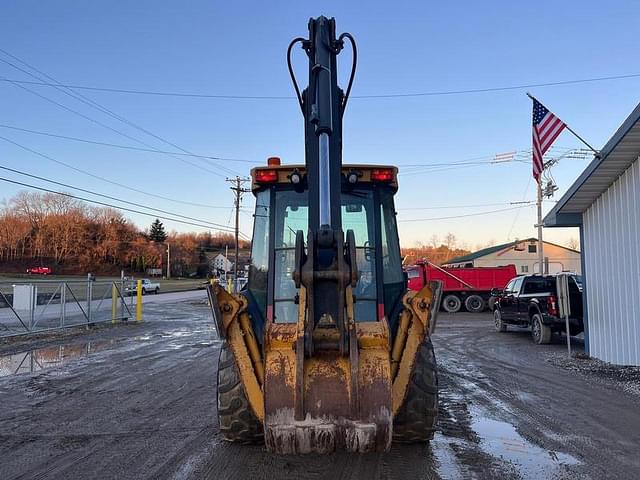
x,y
238,48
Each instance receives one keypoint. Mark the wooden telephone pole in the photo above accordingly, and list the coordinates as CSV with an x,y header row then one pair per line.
x,y
237,187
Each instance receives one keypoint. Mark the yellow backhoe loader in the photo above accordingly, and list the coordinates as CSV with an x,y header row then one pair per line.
x,y
325,349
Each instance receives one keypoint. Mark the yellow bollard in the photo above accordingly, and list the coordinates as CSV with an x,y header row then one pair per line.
x,y
139,301
114,303
229,289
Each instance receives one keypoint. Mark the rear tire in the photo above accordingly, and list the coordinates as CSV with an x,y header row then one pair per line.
x,y
497,321
474,304
157,291
540,332
416,419
236,420
451,303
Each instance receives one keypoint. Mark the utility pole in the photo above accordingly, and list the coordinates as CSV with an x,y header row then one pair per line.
x,y
238,189
540,245
168,261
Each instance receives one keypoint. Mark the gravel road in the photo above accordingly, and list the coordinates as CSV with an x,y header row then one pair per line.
x,y
138,401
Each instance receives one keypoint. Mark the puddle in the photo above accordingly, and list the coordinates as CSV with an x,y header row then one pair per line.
x,y
49,357
501,440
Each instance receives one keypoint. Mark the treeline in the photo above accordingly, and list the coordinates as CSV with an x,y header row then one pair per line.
x,y
72,237
437,250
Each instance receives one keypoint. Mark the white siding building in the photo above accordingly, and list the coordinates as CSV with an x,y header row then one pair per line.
x,y
220,262
524,255
605,203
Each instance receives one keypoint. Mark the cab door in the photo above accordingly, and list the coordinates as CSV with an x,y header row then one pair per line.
x,y
509,300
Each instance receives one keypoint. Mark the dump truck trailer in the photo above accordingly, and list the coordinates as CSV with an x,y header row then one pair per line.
x,y
468,287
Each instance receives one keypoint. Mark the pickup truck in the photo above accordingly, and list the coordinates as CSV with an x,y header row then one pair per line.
x,y
531,301
39,271
147,287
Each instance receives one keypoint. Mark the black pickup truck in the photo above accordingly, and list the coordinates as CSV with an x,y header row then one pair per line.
x,y
531,301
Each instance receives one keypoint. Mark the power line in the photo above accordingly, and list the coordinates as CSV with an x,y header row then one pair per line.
x,y
104,125
465,215
517,215
109,196
92,103
98,177
96,105
128,147
15,182
466,206
291,97
517,156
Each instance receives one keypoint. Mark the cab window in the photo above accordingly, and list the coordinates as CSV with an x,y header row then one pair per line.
x,y
509,288
259,267
292,214
516,285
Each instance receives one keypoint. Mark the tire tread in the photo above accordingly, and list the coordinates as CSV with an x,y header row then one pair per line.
x,y
236,420
417,417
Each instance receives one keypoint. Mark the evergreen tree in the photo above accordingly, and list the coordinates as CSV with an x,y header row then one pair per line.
x,y
156,232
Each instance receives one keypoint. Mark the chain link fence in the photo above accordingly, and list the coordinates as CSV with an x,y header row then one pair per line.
x,y
29,307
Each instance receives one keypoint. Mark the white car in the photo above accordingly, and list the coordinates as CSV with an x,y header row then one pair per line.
x,y
147,287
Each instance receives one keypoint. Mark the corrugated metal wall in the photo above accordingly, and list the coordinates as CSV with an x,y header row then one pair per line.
x,y
612,269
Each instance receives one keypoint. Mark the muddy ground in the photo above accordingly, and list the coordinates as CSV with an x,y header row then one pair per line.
x,y
138,401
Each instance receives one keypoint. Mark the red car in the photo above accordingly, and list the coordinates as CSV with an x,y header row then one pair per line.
x,y
39,270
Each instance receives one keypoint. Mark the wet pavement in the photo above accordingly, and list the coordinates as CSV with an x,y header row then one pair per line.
x,y
138,401
49,357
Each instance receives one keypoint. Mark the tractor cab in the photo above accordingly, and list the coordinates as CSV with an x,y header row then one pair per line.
x,y
282,209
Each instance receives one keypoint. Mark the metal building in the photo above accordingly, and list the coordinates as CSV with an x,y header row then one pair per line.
x,y
605,203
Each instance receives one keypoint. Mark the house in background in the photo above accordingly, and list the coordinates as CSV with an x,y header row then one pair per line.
x,y
604,202
220,263
524,255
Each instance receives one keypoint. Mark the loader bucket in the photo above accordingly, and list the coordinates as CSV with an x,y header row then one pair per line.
x,y
328,402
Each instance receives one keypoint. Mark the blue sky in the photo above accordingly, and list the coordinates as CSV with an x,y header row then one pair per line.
x,y
238,48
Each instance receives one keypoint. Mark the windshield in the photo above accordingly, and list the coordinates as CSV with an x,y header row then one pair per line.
x,y
292,214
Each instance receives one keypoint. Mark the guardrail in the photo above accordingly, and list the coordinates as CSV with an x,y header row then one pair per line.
x,y
30,307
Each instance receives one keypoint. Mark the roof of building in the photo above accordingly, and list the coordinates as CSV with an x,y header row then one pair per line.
x,y
496,248
614,158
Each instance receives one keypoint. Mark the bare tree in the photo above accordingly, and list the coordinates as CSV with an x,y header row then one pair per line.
x,y
573,244
450,241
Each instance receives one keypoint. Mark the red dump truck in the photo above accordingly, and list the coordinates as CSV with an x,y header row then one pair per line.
x,y
470,287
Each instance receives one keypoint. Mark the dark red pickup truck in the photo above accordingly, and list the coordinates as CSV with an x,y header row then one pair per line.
x,y
39,270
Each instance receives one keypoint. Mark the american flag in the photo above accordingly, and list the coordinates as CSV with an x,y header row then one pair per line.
x,y
546,128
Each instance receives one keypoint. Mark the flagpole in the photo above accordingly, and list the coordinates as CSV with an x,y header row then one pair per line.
x,y
596,152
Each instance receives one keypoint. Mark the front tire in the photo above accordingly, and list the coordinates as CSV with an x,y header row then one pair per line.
x,y
497,321
417,417
237,421
540,332
451,303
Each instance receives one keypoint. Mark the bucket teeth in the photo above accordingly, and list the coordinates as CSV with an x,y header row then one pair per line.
x,y
326,436
361,438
